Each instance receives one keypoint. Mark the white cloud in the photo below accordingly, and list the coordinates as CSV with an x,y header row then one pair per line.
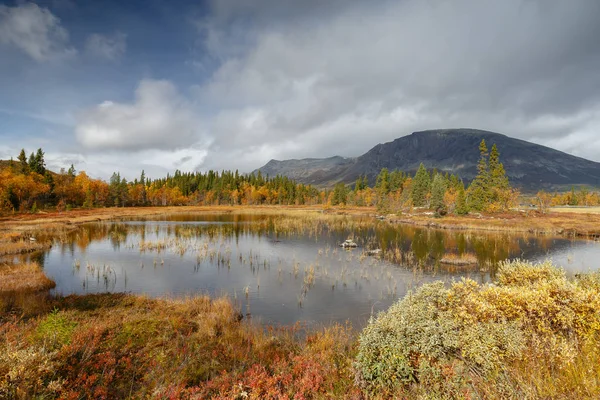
x,y
159,118
109,47
35,31
303,80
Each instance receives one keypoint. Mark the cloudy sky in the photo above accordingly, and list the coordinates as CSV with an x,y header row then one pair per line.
x,y
230,84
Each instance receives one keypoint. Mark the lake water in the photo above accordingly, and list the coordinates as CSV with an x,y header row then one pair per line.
x,y
281,269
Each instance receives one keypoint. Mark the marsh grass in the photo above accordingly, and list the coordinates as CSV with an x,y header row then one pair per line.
x,y
459,259
17,243
24,277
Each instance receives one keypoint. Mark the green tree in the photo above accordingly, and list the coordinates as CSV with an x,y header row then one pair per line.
x,y
340,194
461,201
438,189
71,171
420,187
23,165
38,164
361,183
382,184
498,178
479,193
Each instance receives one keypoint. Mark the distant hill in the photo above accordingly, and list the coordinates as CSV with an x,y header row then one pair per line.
x,y
529,166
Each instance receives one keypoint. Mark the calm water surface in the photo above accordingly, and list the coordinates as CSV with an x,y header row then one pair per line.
x,y
281,271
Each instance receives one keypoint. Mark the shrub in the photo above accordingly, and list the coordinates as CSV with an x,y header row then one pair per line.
x,y
449,341
55,330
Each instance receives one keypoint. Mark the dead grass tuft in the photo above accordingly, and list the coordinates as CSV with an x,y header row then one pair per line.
x,y
24,277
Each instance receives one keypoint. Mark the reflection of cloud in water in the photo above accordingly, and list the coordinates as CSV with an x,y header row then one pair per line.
x,y
573,255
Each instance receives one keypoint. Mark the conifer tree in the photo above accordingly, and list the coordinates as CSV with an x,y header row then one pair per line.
x,y
23,166
420,187
479,194
461,202
497,174
382,184
340,194
438,189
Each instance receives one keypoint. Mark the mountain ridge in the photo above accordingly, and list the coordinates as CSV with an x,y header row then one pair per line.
x,y
529,166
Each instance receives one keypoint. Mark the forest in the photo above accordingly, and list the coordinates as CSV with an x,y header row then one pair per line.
x,y
26,185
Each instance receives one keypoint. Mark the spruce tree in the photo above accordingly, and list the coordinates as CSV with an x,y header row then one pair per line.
x,y
497,174
461,201
23,166
340,194
479,193
420,187
382,184
438,189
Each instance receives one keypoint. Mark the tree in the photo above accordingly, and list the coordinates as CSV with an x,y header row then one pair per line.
x,y
23,165
37,163
497,174
479,195
461,202
382,184
420,187
340,194
544,200
438,189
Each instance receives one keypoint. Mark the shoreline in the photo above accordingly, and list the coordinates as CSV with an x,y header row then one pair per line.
x,y
558,223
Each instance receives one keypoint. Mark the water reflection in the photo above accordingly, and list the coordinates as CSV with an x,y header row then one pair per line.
x,y
285,269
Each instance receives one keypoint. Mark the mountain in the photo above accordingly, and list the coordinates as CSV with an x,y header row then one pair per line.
x,y
529,166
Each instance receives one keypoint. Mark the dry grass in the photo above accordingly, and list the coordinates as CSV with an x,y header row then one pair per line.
x,y
570,222
532,222
24,277
576,210
459,259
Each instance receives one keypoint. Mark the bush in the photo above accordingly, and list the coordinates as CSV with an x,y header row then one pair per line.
x,y
469,339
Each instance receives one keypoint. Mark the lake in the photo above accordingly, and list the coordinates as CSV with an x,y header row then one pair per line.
x,y
284,269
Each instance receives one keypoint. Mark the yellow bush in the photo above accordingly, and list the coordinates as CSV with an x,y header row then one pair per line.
x,y
448,340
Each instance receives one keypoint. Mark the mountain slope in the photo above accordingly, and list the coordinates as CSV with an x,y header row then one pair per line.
x,y
528,165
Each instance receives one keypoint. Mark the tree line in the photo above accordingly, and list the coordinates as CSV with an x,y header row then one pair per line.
x,y
26,185
490,190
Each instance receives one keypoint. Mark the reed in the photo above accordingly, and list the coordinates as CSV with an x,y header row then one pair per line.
x,y
24,277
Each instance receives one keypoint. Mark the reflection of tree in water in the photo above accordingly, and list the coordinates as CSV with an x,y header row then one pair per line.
x,y
420,246
427,246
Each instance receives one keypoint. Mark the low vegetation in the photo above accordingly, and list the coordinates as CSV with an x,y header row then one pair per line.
x,y
532,334
120,346
23,277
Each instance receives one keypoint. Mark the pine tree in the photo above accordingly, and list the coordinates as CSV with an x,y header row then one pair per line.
x,y
479,193
382,184
23,166
438,189
339,194
461,202
497,174
420,187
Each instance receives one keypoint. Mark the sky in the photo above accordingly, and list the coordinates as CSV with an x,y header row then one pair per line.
x,y
230,84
